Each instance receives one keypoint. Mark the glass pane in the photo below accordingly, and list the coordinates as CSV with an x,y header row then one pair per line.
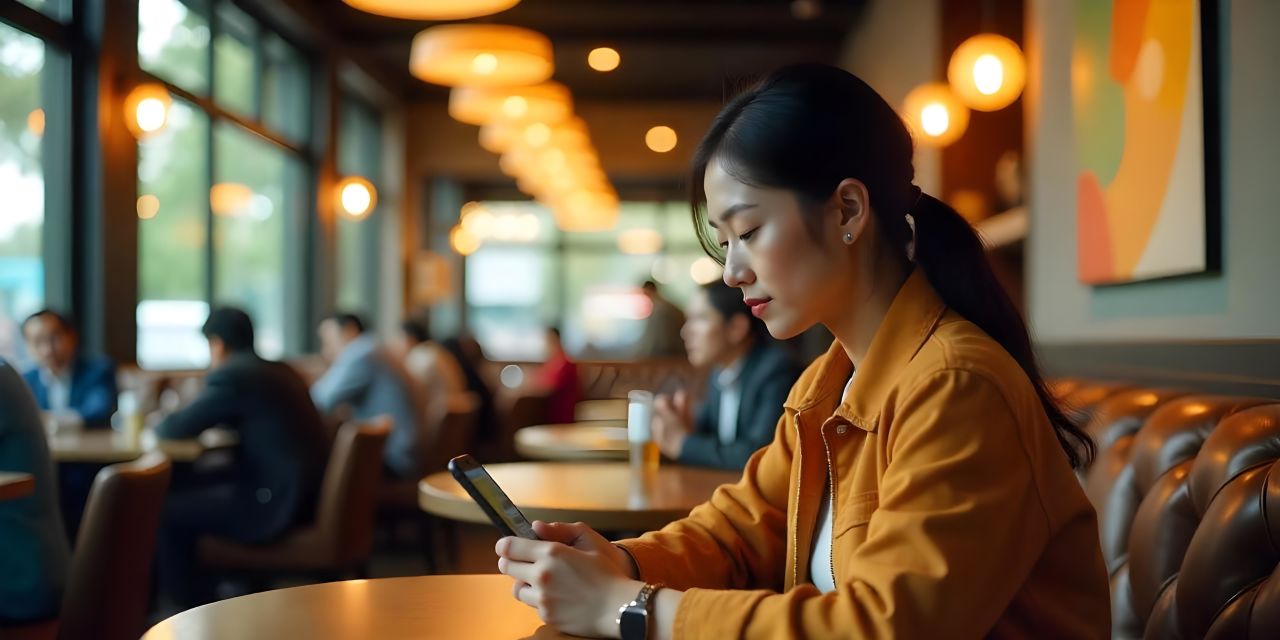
x,y
286,94
173,209
604,308
631,215
513,294
233,73
22,123
56,9
258,187
173,43
359,153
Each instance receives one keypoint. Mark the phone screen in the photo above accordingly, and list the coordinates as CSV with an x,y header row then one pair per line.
x,y
499,502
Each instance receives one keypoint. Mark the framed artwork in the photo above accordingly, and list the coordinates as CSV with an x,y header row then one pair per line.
x,y
1144,86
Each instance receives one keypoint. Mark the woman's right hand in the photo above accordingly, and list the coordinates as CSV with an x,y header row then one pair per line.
x,y
584,538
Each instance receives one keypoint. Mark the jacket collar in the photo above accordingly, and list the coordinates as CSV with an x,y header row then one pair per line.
x,y
912,318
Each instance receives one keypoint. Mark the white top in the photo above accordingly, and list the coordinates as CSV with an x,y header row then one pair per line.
x,y
59,389
729,381
820,565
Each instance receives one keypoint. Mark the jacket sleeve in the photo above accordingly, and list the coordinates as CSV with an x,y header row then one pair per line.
x,y
735,539
762,405
218,404
98,401
959,527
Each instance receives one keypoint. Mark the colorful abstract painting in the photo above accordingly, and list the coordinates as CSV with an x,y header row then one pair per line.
x,y
1139,114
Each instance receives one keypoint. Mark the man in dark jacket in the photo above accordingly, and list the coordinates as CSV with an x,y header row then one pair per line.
x,y
750,379
280,458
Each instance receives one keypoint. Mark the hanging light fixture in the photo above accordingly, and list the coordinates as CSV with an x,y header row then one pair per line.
x,y
146,109
481,55
462,241
936,116
432,9
356,197
230,199
987,72
660,139
548,102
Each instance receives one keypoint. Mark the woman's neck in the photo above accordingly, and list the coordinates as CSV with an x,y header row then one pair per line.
x,y
856,325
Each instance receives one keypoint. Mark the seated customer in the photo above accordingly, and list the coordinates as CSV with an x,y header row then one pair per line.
x,y
365,378
435,370
71,386
33,550
275,481
750,380
558,378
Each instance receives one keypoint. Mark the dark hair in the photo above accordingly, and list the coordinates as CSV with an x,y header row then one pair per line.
x,y
806,128
727,301
63,320
649,285
232,326
415,330
348,321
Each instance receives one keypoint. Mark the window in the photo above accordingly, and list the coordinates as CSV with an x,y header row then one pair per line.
x,y
220,201
264,186
173,206
173,43
514,290
359,153
56,9
233,73
22,129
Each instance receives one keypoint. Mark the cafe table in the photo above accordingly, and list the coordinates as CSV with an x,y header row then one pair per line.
x,y
420,608
104,446
594,440
16,485
608,496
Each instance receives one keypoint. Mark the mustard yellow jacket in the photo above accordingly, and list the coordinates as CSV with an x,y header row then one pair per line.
x,y
955,511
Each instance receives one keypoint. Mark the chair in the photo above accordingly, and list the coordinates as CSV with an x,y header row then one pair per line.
x,y
340,539
398,500
109,583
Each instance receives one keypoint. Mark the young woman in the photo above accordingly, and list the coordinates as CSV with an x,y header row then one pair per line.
x,y
919,483
750,378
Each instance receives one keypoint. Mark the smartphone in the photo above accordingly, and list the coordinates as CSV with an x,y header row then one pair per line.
x,y
492,499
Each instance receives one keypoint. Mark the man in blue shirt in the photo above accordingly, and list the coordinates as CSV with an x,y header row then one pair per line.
x,y
66,384
367,381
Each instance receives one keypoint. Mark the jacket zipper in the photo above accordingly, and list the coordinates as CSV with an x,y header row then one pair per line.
x,y
831,479
795,524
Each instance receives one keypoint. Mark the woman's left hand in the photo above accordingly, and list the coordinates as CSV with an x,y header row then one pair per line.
x,y
570,577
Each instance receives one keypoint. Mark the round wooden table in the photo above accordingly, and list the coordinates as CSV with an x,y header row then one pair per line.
x,y
605,495
16,485
607,409
104,446
428,607
598,440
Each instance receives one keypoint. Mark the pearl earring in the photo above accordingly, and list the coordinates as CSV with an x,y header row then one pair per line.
x,y
848,238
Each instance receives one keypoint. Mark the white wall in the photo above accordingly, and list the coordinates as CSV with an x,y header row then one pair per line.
x,y
894,48
1243,301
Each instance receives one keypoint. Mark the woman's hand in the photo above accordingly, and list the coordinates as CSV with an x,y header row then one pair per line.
x,y
573,576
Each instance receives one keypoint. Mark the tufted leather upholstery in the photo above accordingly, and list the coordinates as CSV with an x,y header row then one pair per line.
x,y
1187,489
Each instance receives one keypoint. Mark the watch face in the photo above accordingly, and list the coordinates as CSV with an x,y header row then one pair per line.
x,y
633,622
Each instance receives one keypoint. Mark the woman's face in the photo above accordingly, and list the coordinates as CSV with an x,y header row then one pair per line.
x,y
790,278
706,335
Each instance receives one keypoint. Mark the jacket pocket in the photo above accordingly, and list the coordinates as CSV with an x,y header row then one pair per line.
x,y
855,511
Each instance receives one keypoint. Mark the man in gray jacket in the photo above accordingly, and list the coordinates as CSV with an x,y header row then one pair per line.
x,y
365,378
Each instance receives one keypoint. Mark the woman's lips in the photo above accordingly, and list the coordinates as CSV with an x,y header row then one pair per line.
x,y
758,306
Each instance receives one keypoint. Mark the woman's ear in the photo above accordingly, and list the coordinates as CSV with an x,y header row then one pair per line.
x,y
854,204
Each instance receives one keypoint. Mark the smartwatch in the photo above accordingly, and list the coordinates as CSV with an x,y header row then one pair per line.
x,y
633,617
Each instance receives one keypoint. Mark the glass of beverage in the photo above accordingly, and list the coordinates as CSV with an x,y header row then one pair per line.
x,y
644,451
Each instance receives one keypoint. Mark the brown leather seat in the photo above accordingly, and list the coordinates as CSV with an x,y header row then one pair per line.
x,y
1205,549
341,538
110,577
522,411
1137,515
1084,398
